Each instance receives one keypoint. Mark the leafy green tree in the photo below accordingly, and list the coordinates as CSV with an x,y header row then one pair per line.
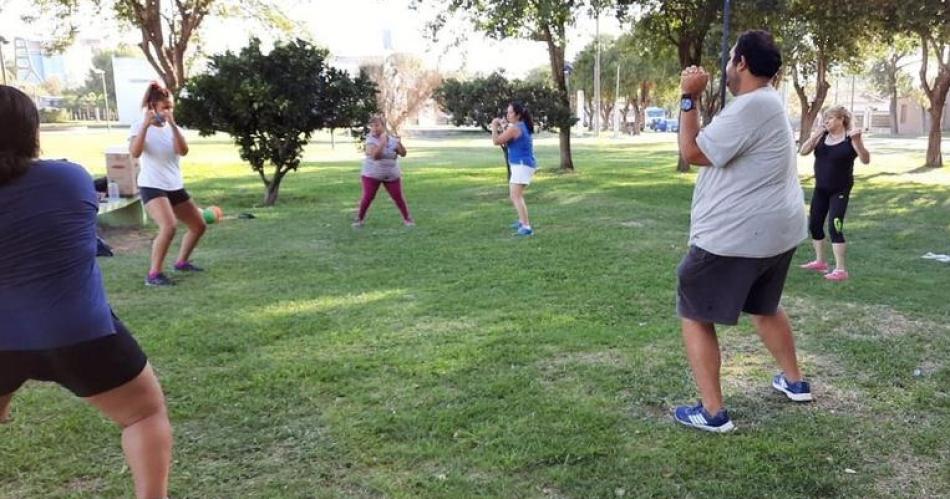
x,y
539,74
648,75
271,104
929,21
167,27
815,40
405,86
886,71
102,60
539,20
477,102
583,78
682,24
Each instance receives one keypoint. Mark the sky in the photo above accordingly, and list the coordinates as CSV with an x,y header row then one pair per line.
x,y
353,28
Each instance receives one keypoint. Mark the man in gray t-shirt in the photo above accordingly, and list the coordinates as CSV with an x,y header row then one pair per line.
x,y
747,218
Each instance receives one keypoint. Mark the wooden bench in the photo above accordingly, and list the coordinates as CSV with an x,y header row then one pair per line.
x,y
122,213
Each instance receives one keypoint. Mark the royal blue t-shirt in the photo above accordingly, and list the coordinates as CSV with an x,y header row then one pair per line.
x,y
51,292
521,150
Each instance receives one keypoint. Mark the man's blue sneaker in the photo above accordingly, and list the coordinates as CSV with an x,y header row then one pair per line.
x,y
524,230
799,391
698,418
516,225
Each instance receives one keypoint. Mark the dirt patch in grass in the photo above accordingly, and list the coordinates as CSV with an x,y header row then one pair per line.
x,y
863,321
561,363
911,475
564,370
126,239
748,367
85,484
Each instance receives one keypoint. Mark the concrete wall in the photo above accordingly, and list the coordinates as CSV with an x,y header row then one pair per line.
x,y
131,78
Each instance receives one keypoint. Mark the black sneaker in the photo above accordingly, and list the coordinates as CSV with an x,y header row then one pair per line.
x,y
187,267
159,279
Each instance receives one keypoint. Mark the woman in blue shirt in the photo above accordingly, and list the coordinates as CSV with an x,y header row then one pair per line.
x,y
518,138
55,321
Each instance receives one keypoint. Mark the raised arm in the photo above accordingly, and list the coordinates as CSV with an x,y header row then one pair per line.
x,y
500,138
857,142
809,145
181,145
692,82
137,144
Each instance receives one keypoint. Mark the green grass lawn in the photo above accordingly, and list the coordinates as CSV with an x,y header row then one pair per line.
x,y
454,360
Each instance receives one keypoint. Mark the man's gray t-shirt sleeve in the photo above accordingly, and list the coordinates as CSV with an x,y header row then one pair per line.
x,y
726,137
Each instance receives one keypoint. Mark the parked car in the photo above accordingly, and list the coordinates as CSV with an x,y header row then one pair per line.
x,y
654,116
672,125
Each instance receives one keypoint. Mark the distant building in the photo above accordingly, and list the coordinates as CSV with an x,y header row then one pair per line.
x,y
34,64
131,77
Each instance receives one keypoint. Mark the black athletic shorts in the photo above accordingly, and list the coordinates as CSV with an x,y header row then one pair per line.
x,y
174,197
716,289
86,369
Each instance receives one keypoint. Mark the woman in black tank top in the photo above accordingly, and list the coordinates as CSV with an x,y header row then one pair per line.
x,y
836,146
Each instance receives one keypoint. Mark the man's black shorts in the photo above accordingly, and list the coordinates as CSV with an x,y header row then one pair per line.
x,y
86,369
174,197
716,289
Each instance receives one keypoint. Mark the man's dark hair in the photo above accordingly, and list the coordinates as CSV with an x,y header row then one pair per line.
x,y
761,54
19,133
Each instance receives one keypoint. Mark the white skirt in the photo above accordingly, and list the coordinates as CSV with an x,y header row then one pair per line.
x,y
521,174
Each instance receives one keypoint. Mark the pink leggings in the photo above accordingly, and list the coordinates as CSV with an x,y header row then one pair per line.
x,y
393,187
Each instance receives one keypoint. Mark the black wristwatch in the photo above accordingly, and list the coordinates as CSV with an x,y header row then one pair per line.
x,y
687,103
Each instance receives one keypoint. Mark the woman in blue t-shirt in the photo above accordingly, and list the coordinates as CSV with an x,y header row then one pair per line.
x,y
518,139
836,145
56,322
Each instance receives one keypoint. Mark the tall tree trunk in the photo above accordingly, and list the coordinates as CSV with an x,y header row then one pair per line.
x,y
937,95
556,56
810,109
273,188
895,129
892,69
934,157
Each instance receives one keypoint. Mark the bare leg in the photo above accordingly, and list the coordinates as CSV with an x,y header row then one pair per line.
x,y
776,333
161,212
819,245
702,350
139,408
517,199
190,215
5,407
839,250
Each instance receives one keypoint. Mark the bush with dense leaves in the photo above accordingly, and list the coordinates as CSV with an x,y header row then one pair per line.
x,y
476,102
272,103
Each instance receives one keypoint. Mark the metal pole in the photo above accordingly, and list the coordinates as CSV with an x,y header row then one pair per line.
x,y
617,104
725,53
3,65
105,95
852,94
597,78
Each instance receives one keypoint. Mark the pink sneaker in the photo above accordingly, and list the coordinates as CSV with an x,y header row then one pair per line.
x,y
837,275
816,265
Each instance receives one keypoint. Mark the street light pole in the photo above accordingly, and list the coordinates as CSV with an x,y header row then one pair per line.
x,y
596,116
105,95
568,69
726,11
617,104
3,65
